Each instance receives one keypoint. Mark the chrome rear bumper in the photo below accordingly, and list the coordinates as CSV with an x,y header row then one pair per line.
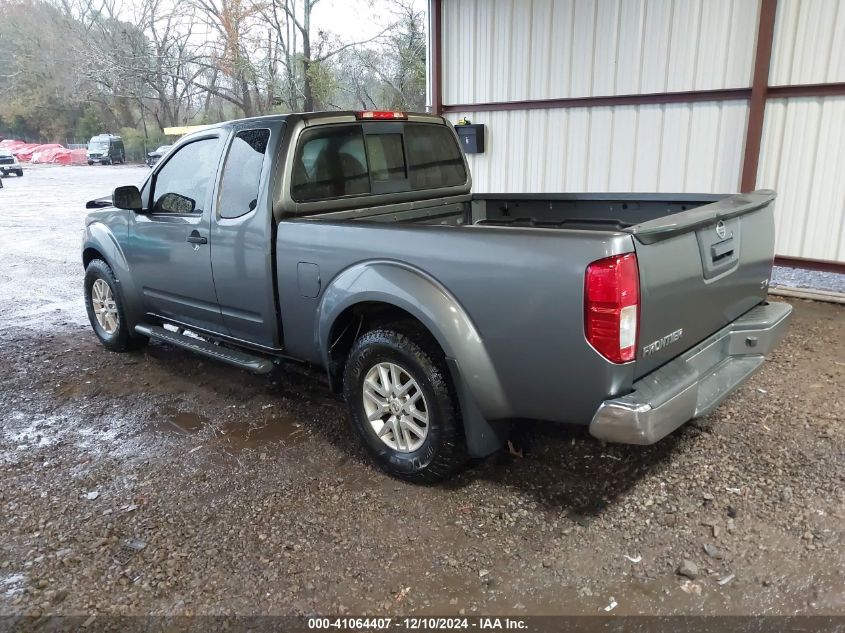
x,y
693,384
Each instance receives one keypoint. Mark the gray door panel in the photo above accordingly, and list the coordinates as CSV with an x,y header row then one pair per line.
x,y
174,274
240,237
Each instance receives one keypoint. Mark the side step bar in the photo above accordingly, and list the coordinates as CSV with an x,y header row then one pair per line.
x,y
255,364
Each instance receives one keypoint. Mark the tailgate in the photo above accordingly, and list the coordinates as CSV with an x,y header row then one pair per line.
x,y
700,270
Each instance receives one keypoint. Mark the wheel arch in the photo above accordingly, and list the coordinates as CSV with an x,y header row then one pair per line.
x,y
101,243
89,254
353,321
379,292
385,290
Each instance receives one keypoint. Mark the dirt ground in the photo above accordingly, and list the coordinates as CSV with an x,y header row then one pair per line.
x,y
156,482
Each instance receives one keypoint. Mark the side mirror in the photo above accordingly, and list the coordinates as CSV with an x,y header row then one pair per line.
x,y
175,203
127,198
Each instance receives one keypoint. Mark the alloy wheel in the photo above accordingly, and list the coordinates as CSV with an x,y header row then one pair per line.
x,y
105,307
395,406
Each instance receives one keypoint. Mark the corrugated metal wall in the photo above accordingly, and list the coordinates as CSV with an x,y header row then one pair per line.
x,y
803,149
809,44
510,50
514,50
803,159
693,147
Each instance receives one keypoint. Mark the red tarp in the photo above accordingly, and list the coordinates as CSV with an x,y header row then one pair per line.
x,y
46,153
11,144
40,153
70,157
17,146
52,153
24,152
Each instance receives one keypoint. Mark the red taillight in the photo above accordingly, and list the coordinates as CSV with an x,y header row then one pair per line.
x,y
380,115
612,305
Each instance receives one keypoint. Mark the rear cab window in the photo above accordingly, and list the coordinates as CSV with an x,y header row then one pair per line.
x,y
338,161
330,162
435,158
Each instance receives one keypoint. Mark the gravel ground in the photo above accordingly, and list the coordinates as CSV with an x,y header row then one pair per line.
x,y
813,279
159,483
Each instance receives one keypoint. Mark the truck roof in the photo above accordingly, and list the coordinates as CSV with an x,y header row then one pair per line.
x,y
328,116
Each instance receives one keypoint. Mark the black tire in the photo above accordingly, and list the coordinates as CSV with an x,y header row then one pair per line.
x,y
443,451
122,339
90,162
20,173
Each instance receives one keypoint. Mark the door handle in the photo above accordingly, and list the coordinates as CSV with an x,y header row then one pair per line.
x,y
196,238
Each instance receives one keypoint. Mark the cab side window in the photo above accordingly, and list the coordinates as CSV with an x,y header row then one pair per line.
x,y
242,173
330,163
183,184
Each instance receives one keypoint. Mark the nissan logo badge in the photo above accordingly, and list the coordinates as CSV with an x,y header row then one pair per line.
x,y
721,231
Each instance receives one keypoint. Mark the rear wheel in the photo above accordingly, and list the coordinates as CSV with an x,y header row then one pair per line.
x,y
105,309
19,173
402,404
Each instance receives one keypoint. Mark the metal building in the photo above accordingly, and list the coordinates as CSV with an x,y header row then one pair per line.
x,y
656,95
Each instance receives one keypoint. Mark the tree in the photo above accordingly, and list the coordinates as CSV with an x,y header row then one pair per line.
x,y
400,64
307,52
390,73
233,23
35,97
73,66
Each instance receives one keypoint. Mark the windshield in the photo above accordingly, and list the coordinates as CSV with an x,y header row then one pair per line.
x,y
98,145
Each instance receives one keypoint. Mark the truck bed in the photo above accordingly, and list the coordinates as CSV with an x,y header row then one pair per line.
x,y
591,212
585,212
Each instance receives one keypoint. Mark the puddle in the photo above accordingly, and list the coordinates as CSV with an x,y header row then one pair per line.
x,y
183,423
232,435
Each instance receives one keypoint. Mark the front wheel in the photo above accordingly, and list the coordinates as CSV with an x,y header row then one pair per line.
x,y
403,406
105,309
19,173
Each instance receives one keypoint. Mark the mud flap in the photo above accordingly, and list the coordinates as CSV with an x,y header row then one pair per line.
x,y
483,437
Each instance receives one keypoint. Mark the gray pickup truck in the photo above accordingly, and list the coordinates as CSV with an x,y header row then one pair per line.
x,y
352,241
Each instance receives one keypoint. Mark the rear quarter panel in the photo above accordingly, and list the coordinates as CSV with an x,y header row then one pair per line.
x,y
521,288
